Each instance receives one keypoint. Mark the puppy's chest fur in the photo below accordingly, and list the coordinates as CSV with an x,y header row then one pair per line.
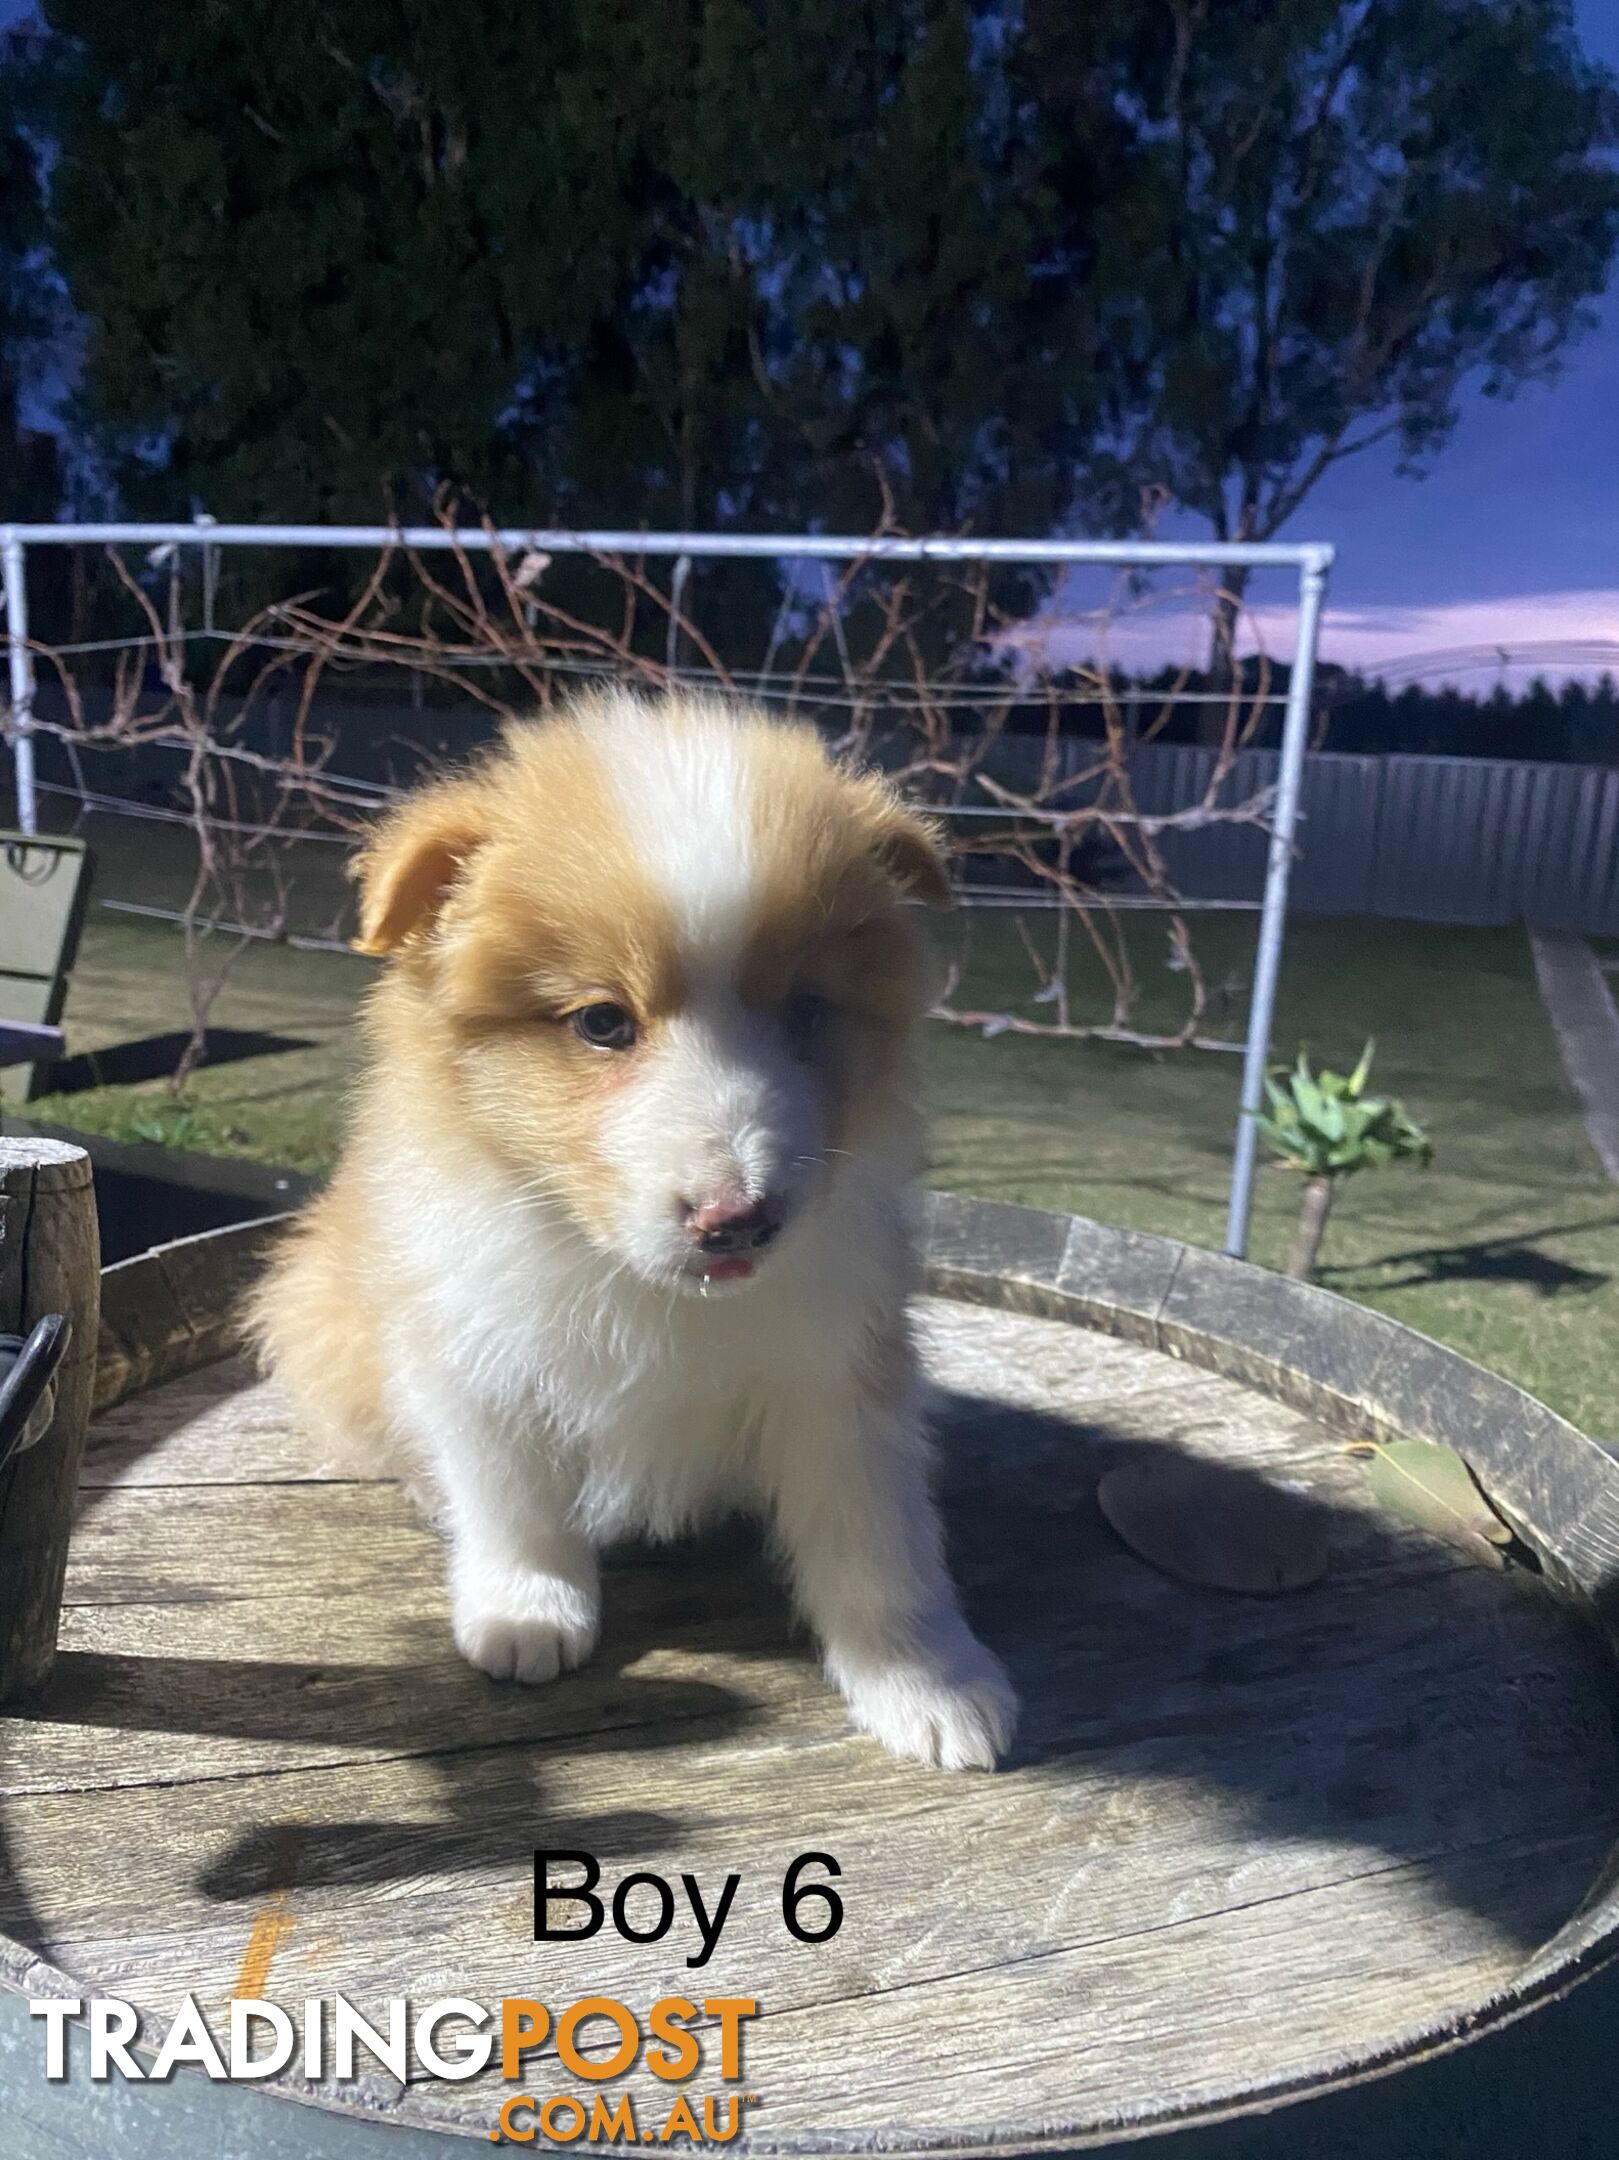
x,y
659,1413
671,1433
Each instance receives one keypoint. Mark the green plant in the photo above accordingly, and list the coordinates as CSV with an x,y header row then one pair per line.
x,y
1327,1127
173,1124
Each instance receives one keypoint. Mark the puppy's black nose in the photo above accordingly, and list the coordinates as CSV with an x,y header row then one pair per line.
x,y
733,1225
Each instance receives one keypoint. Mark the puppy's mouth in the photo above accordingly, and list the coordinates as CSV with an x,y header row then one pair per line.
x,y
732,1245
715,1272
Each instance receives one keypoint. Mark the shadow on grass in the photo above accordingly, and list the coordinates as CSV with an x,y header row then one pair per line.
x,y
1516,1259
154,1057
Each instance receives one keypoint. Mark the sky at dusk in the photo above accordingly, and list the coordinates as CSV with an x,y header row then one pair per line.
x,y
1511,539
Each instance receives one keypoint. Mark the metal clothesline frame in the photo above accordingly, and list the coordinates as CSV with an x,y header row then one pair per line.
x,y
1312,562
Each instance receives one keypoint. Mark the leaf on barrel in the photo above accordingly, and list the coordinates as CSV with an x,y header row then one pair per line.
x,y
1214,1526
1432,1486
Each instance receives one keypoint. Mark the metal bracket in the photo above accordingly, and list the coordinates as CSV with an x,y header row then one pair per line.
x,y
27,1368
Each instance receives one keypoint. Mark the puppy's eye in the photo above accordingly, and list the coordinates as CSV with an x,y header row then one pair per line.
x,y
804,1016
604,1026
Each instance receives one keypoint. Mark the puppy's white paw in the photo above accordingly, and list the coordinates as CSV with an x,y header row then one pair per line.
x,y
529,1640
955,1709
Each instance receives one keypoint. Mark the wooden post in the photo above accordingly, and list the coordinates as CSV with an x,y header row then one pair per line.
x,y
50,1261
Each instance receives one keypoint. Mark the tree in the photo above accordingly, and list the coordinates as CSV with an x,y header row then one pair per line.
x,y
1339,212
28,478
747,262
620,261
851,280
316,246
626,262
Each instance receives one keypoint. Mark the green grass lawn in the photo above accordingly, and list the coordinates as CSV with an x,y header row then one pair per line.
x,y
1508,1248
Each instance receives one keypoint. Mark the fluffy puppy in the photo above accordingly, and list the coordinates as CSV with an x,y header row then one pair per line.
x,y
619,1238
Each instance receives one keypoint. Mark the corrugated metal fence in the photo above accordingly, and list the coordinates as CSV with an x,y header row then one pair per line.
x,y
1461,840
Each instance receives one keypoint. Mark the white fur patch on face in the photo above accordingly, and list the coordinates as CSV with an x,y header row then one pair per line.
x,y
720,1107
686,794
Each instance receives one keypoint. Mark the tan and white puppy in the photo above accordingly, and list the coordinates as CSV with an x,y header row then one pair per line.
x,y
619,1239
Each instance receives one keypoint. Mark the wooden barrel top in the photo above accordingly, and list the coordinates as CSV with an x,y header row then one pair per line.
x,y
1245,1846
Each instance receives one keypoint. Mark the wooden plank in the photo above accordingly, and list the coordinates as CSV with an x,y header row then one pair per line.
x,y
1150,1787
176,1308
1041,1364
275,1539
212,1427
145,1337
344,1586
365,1577
423,1893
137,1547
283,1682
358,1685
50,1264
1239,1836
222,1427
1122,2031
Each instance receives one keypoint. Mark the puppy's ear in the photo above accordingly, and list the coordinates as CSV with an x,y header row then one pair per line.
x,y
406,871
909,848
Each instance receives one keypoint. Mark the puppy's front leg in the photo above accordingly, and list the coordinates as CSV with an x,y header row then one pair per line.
x,y
865,1550
524,1589
525,1592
